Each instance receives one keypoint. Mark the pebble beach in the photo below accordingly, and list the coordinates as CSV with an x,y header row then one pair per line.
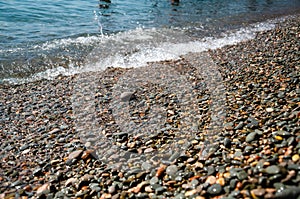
x,y
255,151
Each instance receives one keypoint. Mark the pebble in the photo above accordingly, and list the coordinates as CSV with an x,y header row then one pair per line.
x,y
126,96
171,170
242,175
112,189
227,142
273,169
251,136
258,192
75,154
214,189
295,157
44,189
211,180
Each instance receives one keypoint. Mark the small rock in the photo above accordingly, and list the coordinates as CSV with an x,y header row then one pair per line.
x,y
112,189
74,154
44,189
214,189
126,96
146,166
251,136
227,142
70,181
211,180
154,180
171,170
54,131
160,170
273,169
190,193
258,192
242,175
295,157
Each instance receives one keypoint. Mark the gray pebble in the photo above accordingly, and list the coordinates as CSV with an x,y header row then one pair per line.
x,y
214,189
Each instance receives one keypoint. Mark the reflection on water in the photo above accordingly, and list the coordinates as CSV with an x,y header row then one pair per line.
x,y
119,16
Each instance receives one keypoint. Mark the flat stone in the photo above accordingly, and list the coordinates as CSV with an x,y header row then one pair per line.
x,y
258,192
146,166
273,169
242,175
75,154
126,96
171,170
112,189
251,136
44,189
214,189
211,180
70,181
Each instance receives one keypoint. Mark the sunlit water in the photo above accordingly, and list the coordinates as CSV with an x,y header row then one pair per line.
x,y
42,39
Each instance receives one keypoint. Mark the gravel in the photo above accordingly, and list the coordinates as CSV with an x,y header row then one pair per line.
x,y
252,153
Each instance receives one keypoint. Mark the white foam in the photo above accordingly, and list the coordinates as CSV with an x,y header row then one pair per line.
x,y
147,46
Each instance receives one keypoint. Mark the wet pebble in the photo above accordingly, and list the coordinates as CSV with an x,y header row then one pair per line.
x,y
214,189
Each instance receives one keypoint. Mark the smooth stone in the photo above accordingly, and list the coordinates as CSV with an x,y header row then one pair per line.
x,y
258,192
174,156
251,136
282,133
214,189
254,123
16,183
23,147
290,192
44,189
194,182
171,170
235,194
210,170
75,154
273,169
238,154
239,126
178,178
293,167
180,196
126,96
248,149
112,189
95,187
211,180
227,142
146,166
159,189
242,175
70,181
154,180
233,183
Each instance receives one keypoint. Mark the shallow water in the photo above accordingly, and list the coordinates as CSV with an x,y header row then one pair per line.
x,y
46,38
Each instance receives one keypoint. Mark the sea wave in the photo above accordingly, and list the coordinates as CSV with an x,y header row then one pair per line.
x,y
135,48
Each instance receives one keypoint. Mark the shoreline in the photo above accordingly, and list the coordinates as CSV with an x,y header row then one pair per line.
x,y
256,153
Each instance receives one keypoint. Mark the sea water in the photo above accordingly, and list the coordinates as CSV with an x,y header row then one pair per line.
x,y
44,39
